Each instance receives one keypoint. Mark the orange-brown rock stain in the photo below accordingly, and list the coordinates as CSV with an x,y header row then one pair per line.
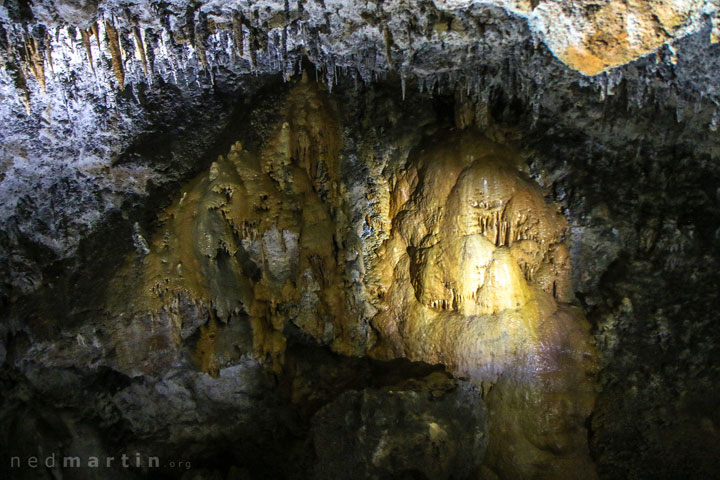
x,y
475,275
115,53
254,235
615,33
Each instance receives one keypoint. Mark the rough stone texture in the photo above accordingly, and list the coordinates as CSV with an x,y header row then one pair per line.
x,y
475,275
432,429
484,49
593,37
630,155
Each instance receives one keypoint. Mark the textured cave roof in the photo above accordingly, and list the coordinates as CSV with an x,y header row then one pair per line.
x,y
67,158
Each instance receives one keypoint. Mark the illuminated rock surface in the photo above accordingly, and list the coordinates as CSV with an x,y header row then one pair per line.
x,y
224,224
472,276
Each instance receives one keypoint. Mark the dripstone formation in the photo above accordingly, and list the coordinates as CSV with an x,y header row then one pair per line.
x,y
384,240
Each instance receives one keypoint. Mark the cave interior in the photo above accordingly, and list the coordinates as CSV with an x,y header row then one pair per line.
x,y
359,240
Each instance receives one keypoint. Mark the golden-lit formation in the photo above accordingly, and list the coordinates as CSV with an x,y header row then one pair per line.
x,y
115,53
473,273
253,236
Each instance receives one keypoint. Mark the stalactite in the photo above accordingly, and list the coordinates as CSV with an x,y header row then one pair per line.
x,y
189,29
253,49
150,43
238,34
48,53
35,61
115,53
387,35
95,29
4,43
127,46
201,36
14,67
140,48
284,40
85,34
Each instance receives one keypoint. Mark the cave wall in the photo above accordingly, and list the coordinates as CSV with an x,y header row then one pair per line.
x,y
91,158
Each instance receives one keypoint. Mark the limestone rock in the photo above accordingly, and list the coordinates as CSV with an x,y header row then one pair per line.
x,y
431,429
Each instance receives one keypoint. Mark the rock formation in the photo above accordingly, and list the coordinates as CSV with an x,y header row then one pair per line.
x,y
436,239
473,276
